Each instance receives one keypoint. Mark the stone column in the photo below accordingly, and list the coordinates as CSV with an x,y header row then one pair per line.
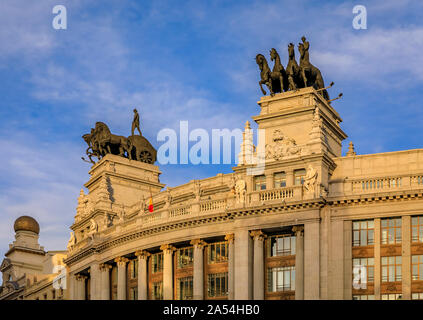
x,y
312,260
299,262
80,286
121,285
72,285
105,281
231,264
377,259
95,282
348,260
167,271
198,269
142,274
243,265
406,258
258,286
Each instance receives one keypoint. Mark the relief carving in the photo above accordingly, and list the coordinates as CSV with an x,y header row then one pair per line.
x,y
282,147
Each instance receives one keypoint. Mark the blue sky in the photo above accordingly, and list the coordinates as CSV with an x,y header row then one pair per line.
x,y
190,60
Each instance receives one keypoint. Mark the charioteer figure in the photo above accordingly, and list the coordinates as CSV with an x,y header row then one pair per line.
x,y
136,123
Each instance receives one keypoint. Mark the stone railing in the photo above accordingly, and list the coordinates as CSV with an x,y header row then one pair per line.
x,y
214,205
181,211
275,195
381,184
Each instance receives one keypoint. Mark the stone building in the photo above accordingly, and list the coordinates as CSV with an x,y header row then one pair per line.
x,y
29,272
294,220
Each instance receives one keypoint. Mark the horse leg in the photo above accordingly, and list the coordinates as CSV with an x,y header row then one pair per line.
x,y
303,75
261,87
281,81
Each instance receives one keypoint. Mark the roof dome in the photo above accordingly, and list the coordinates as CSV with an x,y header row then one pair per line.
x,y
26,223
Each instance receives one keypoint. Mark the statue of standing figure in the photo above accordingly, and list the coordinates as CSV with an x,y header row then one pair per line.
x,y
136,123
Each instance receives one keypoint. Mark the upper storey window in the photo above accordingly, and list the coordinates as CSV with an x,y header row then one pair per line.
x,y
185,257
157,262
260,183
218,252
391,230
363,233
280,180
281,245
299,177
417,229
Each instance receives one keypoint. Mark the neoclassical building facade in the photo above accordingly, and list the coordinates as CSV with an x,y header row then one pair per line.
x,y
294,220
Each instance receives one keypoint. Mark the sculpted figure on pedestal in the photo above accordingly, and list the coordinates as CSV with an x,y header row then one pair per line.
x,y
71,242
310,179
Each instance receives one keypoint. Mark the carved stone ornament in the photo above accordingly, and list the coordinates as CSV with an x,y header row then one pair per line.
x,y
282,147
240,191
93,228
71,242
310,179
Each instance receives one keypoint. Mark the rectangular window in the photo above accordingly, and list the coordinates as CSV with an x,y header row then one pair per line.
x,y
391,269
184,288
53,294
157,262
280,180
364,297
368,264
133,294
391,230
218,252
417,296
392,296
299,177
417,267
417,229
217,285
259,183
185,257
281,245
363,233
157,291
281,279
133,269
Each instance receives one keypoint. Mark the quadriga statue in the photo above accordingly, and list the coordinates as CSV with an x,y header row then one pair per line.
x,y
101,142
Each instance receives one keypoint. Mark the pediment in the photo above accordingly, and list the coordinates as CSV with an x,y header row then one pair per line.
x,y
5,264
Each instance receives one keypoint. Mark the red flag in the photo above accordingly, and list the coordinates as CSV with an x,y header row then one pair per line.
x,y
150,203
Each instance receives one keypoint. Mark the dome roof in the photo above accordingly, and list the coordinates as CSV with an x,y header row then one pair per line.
x,y
26,223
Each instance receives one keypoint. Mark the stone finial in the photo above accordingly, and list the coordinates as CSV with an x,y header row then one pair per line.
x,y
351,151
247,125
247,147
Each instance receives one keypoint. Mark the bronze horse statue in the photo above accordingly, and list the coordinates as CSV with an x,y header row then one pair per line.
x,y
276,79
293,70
311,76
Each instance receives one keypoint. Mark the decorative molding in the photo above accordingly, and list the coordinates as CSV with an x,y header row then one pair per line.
x,y
167,248
230,237
198,243
258,235
121,261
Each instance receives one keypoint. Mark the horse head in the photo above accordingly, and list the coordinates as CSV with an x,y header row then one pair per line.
x,y
87,138
291,51
273,54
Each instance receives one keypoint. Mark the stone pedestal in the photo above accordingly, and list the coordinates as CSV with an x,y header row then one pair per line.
x,y
127,180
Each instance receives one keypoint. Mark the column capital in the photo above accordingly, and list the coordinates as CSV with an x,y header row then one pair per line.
x,y
230,237
298,230
80,277
104,266
258,235
167,248
198,243
142,254
121,261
